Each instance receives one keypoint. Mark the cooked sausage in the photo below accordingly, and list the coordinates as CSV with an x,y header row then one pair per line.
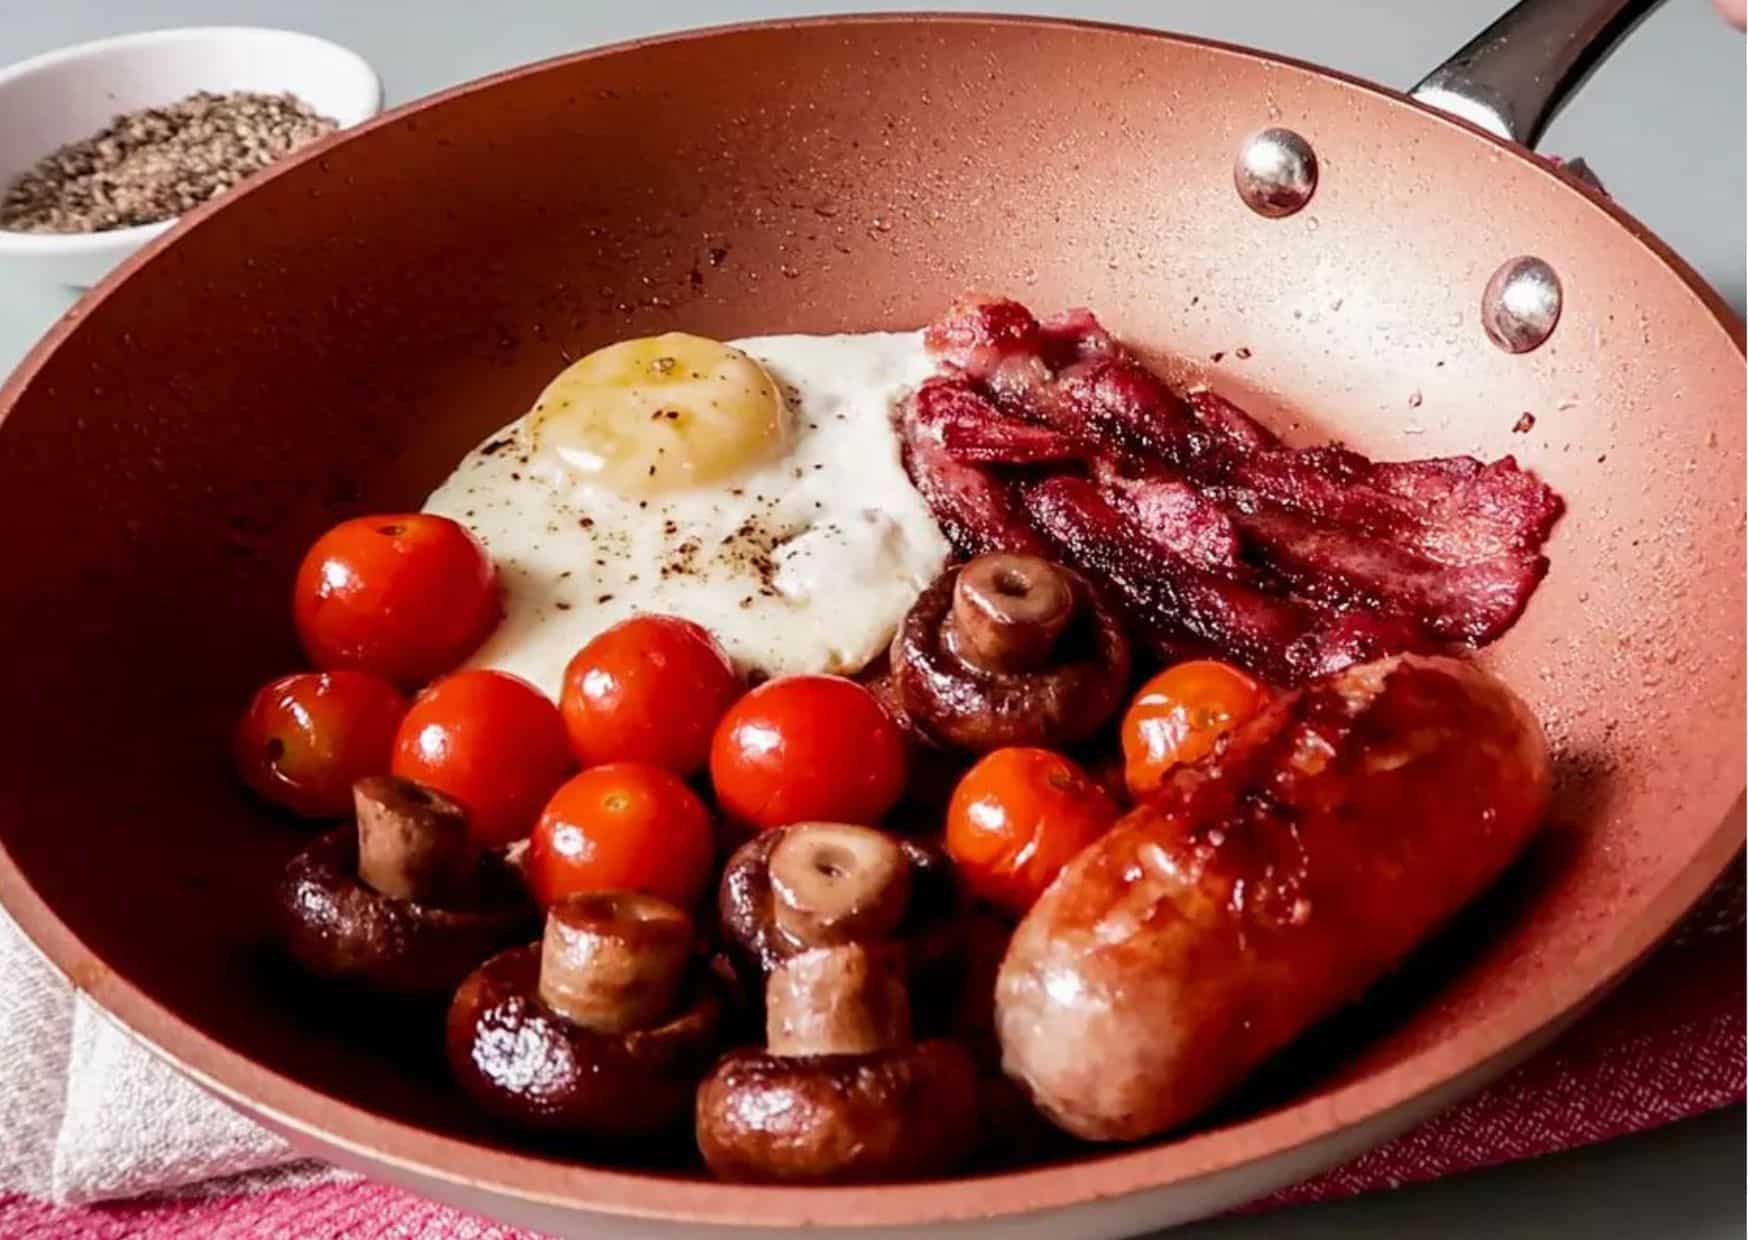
x,y
1265,887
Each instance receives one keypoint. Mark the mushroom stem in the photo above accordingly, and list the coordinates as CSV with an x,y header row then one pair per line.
x,y
846,1000
412,841
1009,611
834,883
613,961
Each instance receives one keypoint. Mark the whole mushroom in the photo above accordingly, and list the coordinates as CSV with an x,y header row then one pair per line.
x,y
403,903
602,1029
1010,650
840,1094
825,884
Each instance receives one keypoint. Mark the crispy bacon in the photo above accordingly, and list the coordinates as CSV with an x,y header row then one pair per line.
x,y
977,332
1455,509
976,509
1228,423
1171,597
1182,520
973,431
1052,436
1353,637
1471,603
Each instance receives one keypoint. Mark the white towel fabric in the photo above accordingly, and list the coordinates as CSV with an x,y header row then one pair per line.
x,y
87,1113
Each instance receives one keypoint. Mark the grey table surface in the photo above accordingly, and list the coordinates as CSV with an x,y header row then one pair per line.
x,y
1662,123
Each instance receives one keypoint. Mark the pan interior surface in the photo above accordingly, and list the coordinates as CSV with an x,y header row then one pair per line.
x,y
332,340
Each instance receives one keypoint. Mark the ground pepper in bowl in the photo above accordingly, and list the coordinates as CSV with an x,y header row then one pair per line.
x,y
156,163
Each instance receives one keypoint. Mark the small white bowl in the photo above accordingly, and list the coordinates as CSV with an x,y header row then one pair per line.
x,y
66,95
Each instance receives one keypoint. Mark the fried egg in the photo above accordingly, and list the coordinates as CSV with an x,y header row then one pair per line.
x,y
754,487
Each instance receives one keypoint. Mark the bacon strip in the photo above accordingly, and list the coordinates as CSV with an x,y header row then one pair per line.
x,y
1181,520
1454,510
976,509
1172,597
1295,562
1471,603
974,432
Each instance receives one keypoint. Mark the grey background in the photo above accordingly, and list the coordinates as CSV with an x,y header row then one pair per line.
x,y
1663,125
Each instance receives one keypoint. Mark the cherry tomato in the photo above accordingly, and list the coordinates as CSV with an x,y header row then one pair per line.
x,y
1179,714
306,739
490,740
407,596
649,689
807,748
625,826
1017,818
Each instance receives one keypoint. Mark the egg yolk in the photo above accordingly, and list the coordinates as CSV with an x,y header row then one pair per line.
x,y
661,413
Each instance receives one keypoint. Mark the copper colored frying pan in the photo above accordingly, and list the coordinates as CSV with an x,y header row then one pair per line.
x,y
333,338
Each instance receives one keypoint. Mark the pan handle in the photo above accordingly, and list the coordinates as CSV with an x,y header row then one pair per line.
x,y
1513,77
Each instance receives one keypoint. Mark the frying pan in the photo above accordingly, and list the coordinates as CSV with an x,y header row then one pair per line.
x,y
331,339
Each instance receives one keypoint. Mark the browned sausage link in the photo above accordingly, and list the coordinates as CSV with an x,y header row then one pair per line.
x,y
1268,886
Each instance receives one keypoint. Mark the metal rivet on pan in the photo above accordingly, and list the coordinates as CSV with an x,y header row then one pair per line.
x,y
1276,172
1521,304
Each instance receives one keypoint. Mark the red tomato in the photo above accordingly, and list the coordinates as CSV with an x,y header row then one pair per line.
x,y
649,689
490,740
407,596
622,827
1017,818
306,739
1179,714
807,748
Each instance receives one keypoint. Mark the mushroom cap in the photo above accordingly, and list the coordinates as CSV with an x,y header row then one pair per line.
x,y
337,927
899,1114
524,1063
931,928
957,703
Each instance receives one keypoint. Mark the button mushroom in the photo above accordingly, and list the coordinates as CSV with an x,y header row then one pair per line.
x,y
403,903
1010,650
602,1029
933,772
823,884
837,884
841,1094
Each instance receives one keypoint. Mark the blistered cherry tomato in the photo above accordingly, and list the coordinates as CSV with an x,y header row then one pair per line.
x,y
407,596
1179,714
807,748
490,740
649,689
1018,817
306,739
625,826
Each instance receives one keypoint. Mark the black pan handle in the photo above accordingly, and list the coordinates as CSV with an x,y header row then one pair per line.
x,y
1516,75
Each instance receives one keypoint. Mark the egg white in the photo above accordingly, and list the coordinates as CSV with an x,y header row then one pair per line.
x,y
805,564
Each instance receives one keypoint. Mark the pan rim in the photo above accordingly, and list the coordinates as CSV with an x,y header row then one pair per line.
x,y
417,1153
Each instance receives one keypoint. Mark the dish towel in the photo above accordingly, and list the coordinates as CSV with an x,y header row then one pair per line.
x,y
87,1115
